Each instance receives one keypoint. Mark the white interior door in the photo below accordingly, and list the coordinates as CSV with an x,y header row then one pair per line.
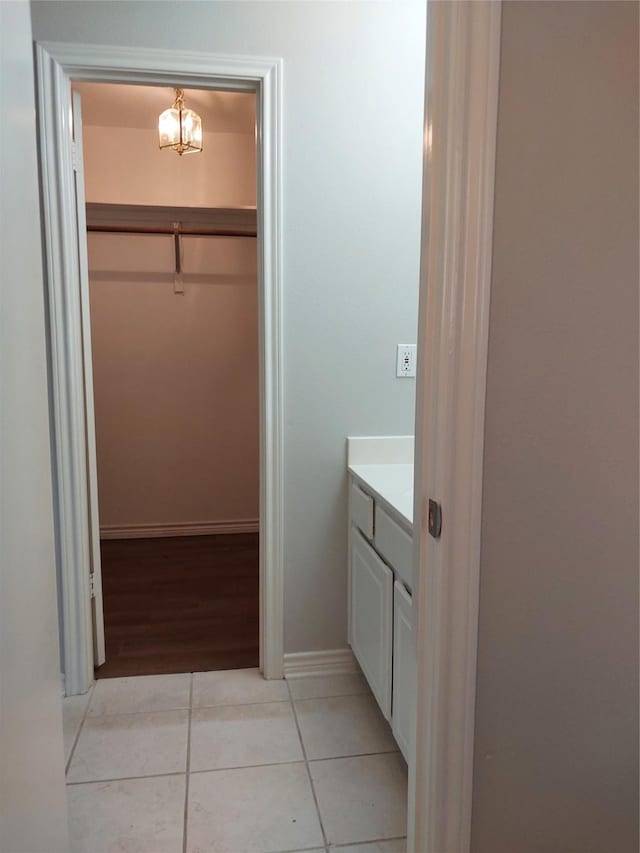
x,y
92,465
463,60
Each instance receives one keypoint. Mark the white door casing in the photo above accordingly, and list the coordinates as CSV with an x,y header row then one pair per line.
x,y
95,568
461,102
58,65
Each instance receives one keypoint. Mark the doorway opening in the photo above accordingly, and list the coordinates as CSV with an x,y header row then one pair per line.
x,y
170,336
65,218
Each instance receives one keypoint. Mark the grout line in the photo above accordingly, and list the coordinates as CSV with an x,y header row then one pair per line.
x,y
92,692
368,841
186,781
184,707
244,766
354,755
306,764
235,767
302,849
80,727
125,778
331,696
138,677
323,849
137,713
241,704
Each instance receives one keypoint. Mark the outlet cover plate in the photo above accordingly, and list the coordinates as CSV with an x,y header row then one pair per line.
x,y
406,361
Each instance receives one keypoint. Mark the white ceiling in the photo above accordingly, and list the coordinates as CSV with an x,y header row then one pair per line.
x,y
116,105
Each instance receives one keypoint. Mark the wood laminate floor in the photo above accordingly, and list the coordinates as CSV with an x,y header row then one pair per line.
x,y
180,604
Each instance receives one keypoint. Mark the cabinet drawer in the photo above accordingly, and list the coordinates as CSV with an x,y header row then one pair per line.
x,y
395,545
361,510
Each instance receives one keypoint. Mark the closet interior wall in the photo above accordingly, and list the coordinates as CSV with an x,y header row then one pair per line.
x,y
175,373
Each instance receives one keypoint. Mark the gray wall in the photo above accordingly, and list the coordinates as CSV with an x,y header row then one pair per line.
x,y
556,749
33,815
353,102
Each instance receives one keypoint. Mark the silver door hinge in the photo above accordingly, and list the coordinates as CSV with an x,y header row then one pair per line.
x,y
74,157
92,586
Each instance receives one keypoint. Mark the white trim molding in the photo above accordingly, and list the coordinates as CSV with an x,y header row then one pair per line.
x,y
186,528
328,662
58,65
463,57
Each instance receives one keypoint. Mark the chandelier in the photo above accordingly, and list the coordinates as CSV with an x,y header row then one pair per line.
x,y
180,128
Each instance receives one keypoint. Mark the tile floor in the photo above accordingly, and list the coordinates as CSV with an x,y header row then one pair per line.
x,y
225,762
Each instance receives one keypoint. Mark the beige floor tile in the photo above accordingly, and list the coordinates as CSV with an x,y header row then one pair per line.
x,y
140,693
252,810
362,799
133,816
118,746
73,710
398,845
343,725
328,685
236,687
244,735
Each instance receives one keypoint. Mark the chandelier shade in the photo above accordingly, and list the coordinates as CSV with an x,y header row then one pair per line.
x,y
179,128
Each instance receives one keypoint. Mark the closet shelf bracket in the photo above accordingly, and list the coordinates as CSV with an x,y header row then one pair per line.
x,y
178,284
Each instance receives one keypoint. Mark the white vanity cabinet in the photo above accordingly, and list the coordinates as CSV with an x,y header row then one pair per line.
x,y
380,607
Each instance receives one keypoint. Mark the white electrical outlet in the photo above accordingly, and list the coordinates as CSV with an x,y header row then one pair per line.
x,y
406,361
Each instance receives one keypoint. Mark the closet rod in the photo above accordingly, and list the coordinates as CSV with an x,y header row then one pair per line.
x,y
183,232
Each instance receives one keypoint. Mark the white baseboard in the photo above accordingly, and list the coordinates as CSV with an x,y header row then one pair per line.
x,y
328,662
193,528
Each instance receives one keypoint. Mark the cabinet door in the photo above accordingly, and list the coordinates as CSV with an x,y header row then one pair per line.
x,y
404,671
371,617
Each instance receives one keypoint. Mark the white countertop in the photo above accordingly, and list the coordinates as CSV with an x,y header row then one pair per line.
x,y
391,483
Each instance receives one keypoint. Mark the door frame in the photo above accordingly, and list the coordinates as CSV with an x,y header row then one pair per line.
x,y
58,65
461,112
